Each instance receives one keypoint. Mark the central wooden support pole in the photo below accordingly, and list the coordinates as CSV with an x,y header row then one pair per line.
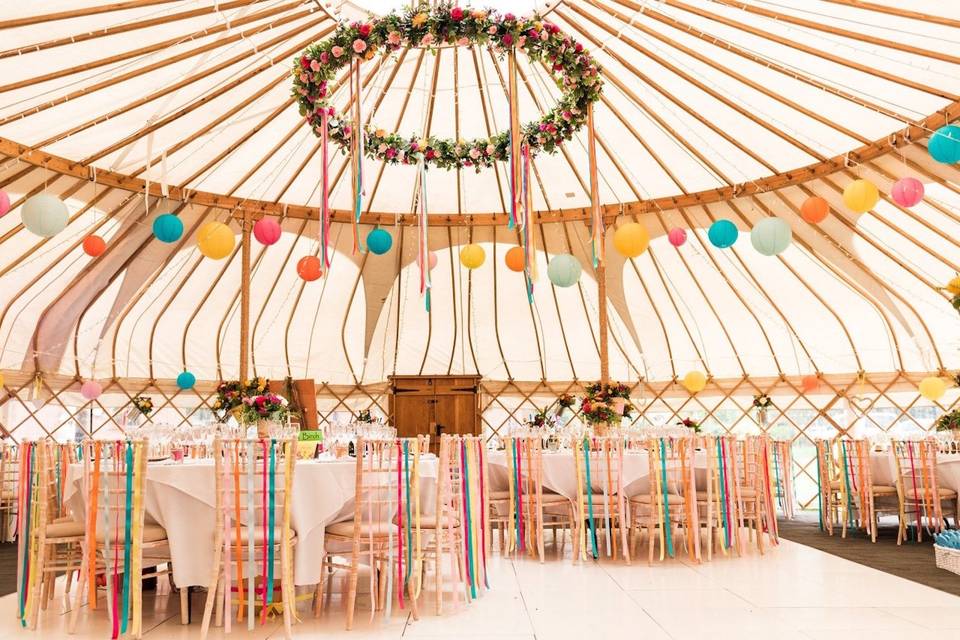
x,y
598,238
602,312
245,297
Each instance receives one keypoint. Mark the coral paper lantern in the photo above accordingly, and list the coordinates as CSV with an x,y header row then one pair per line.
x,y
814,209
45,215
722,233
677,236
771,236
944,144
514,259
431,260
907,192
94,246
472,256
267,231
694,381
631,239
379,241
91,390
4,203
308,268
215,240
860,196
167,228
810,383
186,380
932,388
564,270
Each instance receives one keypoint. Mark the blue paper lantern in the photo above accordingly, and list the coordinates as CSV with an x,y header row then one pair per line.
x,y
944,144
771,236
564,270
722,234
167,228
186,380
379,241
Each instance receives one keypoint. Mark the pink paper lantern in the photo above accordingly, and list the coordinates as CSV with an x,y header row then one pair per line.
x,y
677,236
4,203
431,260
91,390
266,231
907,192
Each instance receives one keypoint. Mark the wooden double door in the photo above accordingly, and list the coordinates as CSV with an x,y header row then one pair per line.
x,y
434,405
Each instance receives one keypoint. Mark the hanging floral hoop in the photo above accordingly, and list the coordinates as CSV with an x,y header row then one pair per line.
x,y
574,70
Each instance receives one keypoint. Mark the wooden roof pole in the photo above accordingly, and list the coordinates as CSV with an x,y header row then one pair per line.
x,y
601,268
245,297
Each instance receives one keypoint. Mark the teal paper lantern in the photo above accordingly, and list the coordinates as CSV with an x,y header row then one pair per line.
x,y
564,270
167,228
379,241
722,234
44,215
186,380
771,236
944,144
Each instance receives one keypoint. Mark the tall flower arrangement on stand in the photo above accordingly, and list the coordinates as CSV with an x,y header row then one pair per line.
x,y
230,396
606,405
267,411
762,402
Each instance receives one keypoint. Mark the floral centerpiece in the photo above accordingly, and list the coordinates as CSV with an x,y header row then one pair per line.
x,y
265,410
364,416
690,423
762,402
605,405
143,404
565,402
231,394
949,422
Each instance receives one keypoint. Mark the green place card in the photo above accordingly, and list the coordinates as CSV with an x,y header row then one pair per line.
x,y
311,436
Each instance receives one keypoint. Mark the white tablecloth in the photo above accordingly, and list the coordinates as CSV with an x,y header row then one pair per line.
x,y
884,469
560,473
181,497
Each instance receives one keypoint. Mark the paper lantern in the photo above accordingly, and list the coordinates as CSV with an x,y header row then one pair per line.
x,y
379,241
94,246
631,239
771,236
215,240
694,381
472,256
267,231
677,236
186,380
1,381
809,384
954,286
167,228
514,258
944,144
308,268
91,390
860,196
431,260
44,215
907,192
932,388
814,209
4,203
722,233
564,270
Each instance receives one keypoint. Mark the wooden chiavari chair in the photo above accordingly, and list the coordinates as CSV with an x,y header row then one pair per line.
x,y
117,541
861,500
602,514
253,536
918,489
753,489
670,502
385,533
717,512
781,464
828,484
63,536
9,468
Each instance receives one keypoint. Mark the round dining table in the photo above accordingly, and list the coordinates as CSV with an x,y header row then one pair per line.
x,y
181,497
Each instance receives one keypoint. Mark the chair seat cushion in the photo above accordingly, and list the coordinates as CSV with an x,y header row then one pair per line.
x,y
644,498
259,535
545,498
378,529
151,533
745,493
69,529
553,498
430,522
920,493
494,496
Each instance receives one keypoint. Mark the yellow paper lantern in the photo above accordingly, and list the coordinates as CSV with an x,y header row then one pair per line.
x,y
215,240
1,381
860,196
694,381
953,287
631,239
933,388
472,256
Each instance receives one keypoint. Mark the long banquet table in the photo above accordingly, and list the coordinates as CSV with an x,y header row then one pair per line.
x,y
181,497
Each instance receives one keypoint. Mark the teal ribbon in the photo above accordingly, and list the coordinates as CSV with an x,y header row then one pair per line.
x,y
127,539
409,521
272,520
593,526
25,535
469,528
723,495
781,494
846,482
516,502
668,533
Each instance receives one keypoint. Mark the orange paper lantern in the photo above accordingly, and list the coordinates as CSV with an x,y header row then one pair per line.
x,y
94,246
308,268
514,259
814,209
809,384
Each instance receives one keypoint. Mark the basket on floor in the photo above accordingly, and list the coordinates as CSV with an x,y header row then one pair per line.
x,y
947,558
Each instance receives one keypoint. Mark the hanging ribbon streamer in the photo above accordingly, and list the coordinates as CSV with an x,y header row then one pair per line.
x,y
666,502
468,539
527,237
516,161
589,489
324,190
423,245
356,147
597,230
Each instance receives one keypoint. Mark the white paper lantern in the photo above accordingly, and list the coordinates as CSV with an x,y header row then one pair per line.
x,y
45,215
